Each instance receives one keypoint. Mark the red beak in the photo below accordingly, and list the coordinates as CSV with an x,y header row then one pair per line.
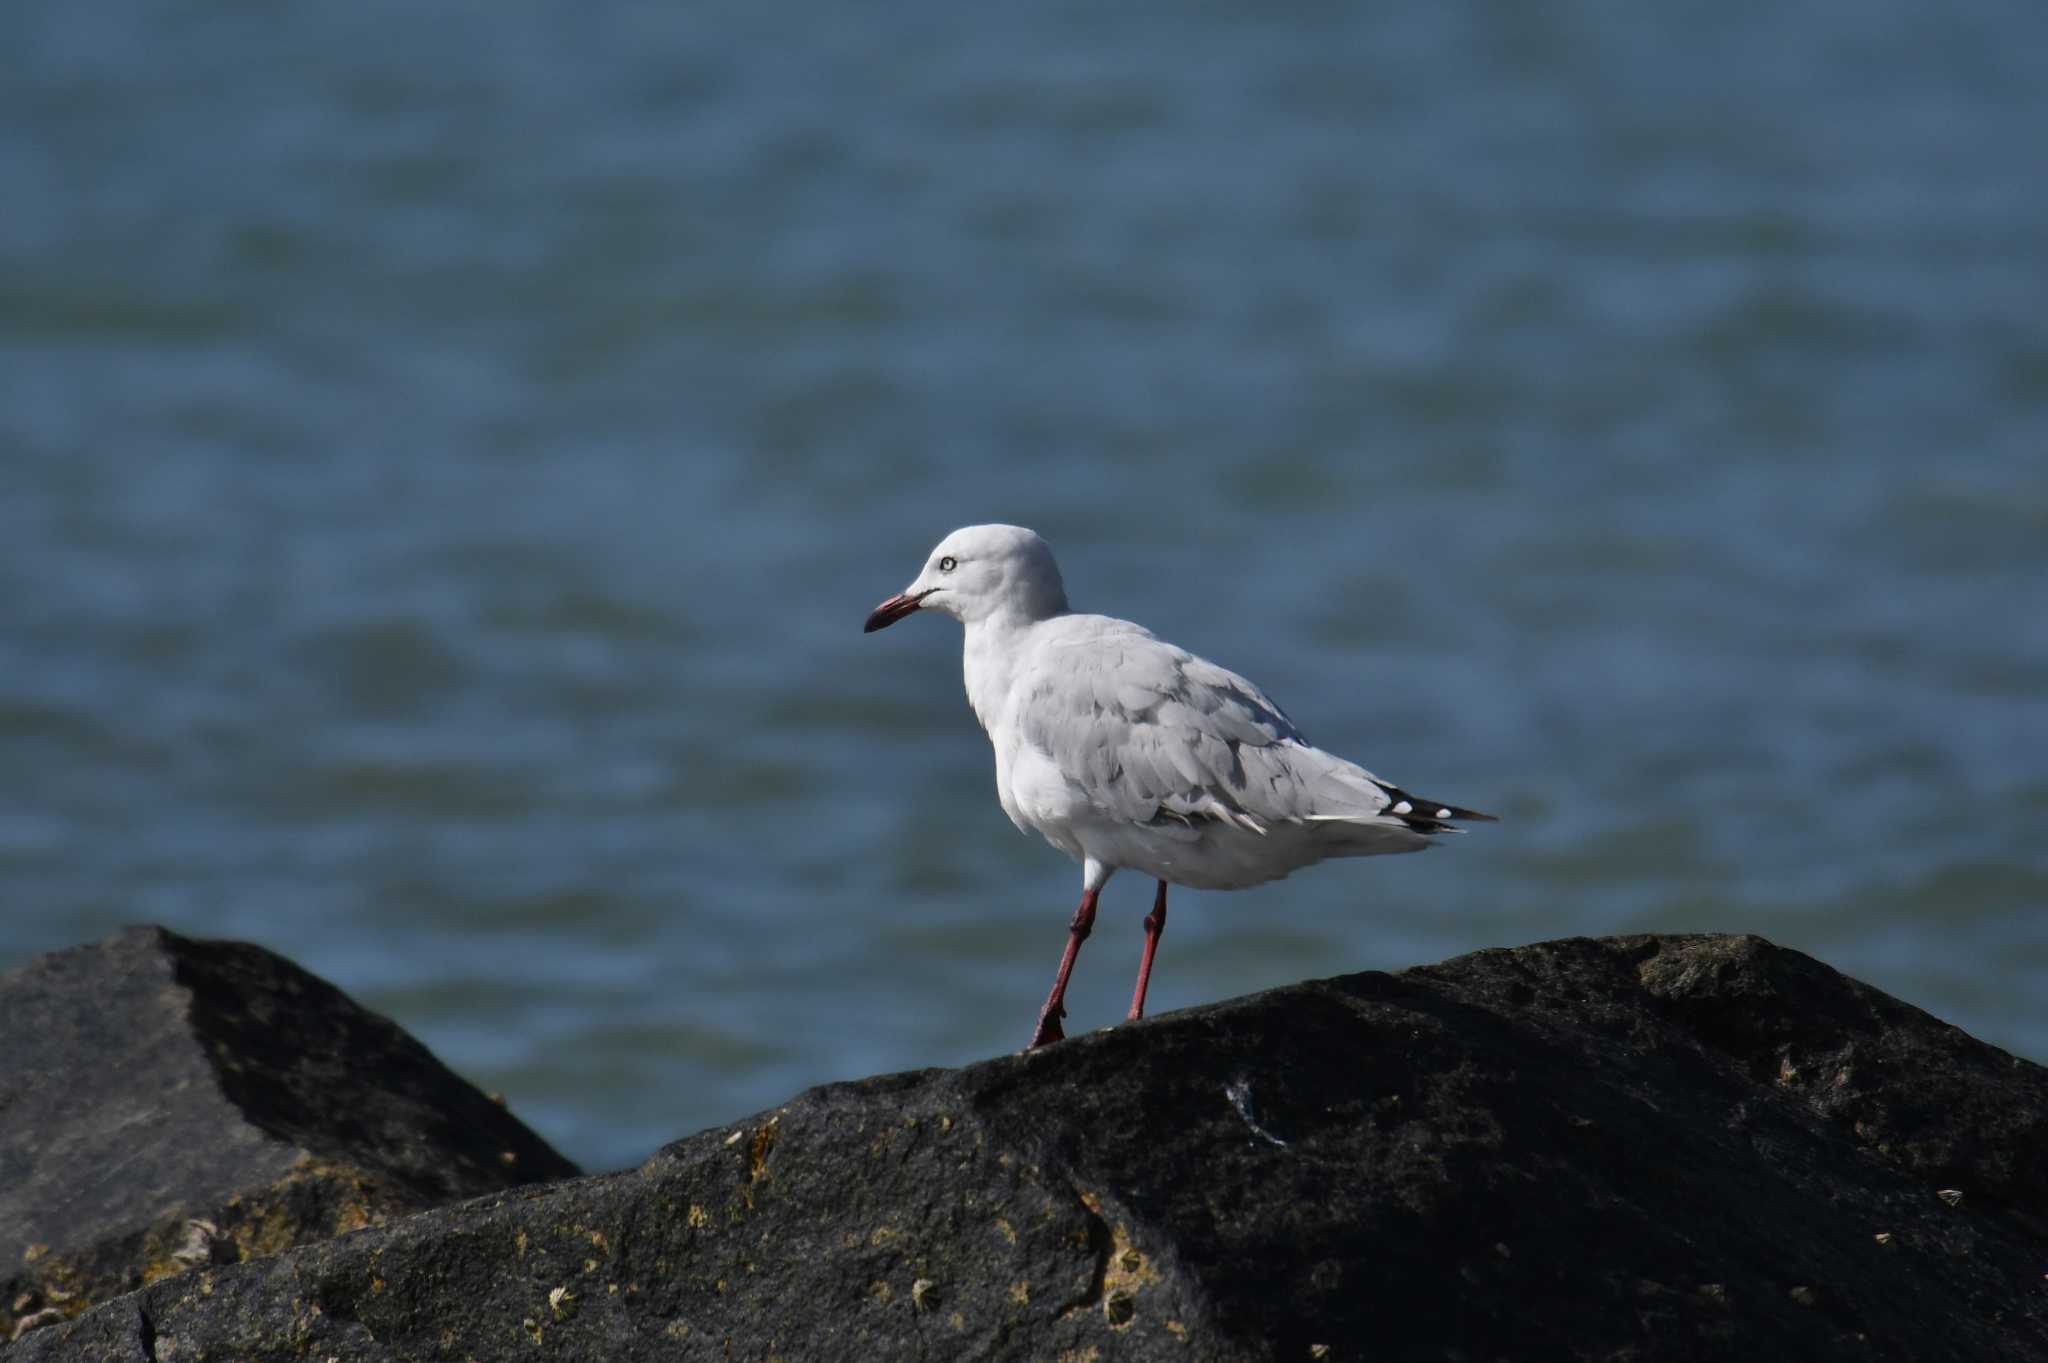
x,y
892,610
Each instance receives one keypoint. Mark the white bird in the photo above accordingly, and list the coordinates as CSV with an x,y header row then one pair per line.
x,y
1123,751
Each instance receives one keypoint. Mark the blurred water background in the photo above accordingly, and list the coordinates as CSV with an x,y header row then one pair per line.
x,y
446,457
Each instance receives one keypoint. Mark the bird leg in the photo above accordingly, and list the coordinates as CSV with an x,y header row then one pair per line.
x,y
1048,1029
1155,923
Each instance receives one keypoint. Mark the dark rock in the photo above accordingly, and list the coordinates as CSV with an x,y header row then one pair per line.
x,y
1656,1148
167,1104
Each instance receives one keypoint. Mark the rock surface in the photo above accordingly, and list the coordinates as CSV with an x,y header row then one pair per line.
x,y
167,1103
1656,1148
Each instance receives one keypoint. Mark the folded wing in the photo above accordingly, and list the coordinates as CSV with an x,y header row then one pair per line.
x,y
1152,734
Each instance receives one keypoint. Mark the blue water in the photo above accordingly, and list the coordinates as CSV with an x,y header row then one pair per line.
x,y
446,458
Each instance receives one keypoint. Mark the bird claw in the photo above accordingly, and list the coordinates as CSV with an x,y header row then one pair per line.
x,y
1048,1029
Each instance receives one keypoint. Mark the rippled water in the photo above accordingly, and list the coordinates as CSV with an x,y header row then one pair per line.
x,y
445,461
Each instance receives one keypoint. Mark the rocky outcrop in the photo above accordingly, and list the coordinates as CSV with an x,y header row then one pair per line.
x,y
167,1104
1657,1148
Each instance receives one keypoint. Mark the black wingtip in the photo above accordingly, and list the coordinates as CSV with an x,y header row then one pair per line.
x,y
1428,816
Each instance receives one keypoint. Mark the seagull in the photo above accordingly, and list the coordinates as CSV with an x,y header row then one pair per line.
x,y
1123,750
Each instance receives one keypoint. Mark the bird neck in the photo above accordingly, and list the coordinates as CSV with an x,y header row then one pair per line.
x,y
991,651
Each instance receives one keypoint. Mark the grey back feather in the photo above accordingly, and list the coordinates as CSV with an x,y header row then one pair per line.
x,y
1151,733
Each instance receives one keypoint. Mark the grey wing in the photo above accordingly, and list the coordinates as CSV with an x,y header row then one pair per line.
x,y
1153,734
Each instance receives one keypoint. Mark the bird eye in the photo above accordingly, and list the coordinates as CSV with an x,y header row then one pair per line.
x,y
948,564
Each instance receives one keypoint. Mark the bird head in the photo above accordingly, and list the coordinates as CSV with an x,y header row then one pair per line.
x,y
978,572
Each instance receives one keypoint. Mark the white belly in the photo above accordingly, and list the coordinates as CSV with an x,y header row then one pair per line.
x,y
1040,800
1206,856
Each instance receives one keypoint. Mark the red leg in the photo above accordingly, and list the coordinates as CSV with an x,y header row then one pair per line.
x,y
1048,1029
1155,923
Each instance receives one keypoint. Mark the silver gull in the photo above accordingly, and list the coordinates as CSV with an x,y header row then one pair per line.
x,y
1124,751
